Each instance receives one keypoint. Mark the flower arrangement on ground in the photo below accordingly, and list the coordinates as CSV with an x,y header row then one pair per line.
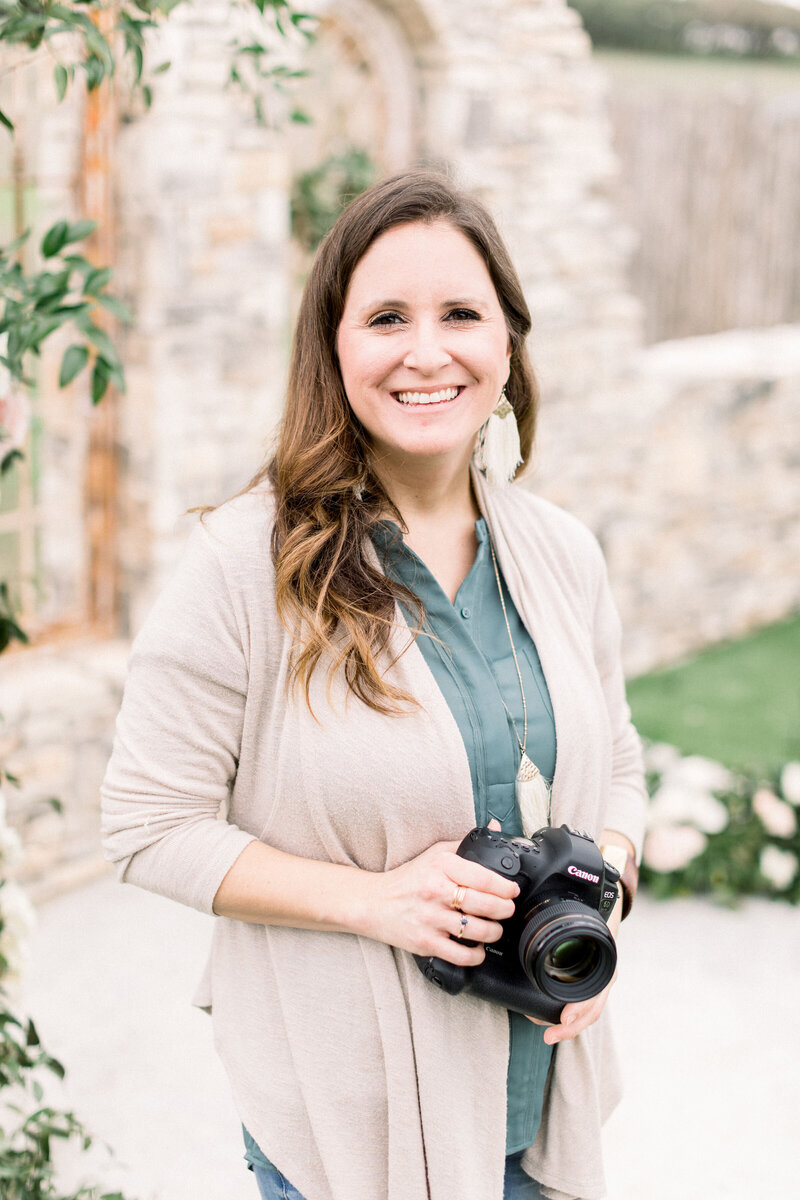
x,y
714,831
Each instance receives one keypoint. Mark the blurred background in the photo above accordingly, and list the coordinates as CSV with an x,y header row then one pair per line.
x,y
643,160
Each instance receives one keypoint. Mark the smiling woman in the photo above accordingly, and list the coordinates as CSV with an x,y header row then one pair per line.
x,y
368,652
423,371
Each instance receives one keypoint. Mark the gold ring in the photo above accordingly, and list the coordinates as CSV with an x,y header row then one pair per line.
x,y
463,926
458,897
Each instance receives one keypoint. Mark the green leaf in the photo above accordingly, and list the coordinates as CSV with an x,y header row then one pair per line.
x,y
31,1035
147,96
4,120
61,79
96,280
116,307
55,238
74,360
95,71
80,230
12,247
162,67
115,373
103,342
8,461
138,63
299,117
101,376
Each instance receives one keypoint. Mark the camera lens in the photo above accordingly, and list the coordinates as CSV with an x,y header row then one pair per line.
x,y
566,950
571,961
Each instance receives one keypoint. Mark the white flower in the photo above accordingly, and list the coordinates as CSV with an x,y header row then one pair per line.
x,y
11,852
660,757
671,847
790,783
777,817
778,866
2,807
702,774
19,918
676,804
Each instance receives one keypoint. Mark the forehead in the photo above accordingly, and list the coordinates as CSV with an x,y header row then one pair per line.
x,y
422,256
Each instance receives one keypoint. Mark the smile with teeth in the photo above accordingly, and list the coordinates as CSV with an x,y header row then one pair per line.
x,y
413,398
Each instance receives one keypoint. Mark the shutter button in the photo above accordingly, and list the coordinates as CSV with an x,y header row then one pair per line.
x,y
506,863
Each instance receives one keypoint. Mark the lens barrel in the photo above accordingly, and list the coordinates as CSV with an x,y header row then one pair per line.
x,y
567,950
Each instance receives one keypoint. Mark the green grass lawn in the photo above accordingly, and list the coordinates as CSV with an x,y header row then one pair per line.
x,y
738,702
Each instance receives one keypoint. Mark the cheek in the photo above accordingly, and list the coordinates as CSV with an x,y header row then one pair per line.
x,y
364,367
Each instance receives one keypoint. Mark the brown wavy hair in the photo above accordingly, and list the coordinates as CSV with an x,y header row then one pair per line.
x,y
330,591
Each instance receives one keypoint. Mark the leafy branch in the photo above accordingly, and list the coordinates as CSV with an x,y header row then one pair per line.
x,y
103,34
70,290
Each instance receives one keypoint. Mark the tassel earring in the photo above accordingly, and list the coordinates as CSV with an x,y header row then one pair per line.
x,y
533,796
497,450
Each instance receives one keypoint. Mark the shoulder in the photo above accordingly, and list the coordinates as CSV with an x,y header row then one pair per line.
x,y
555,533
535,512
238,533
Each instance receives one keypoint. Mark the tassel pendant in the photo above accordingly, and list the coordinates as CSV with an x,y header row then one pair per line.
x,y
533,796
498,452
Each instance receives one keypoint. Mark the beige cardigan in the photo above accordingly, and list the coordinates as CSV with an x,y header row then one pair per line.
x,y
359,1079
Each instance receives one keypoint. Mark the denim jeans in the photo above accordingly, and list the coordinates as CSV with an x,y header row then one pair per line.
x,y
518,1185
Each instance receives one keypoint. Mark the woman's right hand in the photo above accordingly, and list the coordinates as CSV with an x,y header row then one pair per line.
x,y
410,906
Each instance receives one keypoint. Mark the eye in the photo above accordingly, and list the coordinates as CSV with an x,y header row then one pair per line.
x,y
462,314
384,320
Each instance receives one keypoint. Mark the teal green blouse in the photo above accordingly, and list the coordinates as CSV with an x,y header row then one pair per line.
x,y
470,658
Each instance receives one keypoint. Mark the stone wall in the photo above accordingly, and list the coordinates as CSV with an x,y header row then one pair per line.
x,y
689,472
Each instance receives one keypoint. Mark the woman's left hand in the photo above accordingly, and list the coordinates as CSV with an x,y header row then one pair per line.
x,y
580,1015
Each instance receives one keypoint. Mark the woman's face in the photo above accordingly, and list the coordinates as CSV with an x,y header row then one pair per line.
x,y
423,345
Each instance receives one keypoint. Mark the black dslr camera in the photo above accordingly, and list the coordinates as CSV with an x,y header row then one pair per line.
x,y
556,947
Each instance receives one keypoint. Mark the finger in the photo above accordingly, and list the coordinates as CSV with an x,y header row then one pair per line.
x,y
476,929
473,875
482,904
456,952
575,1018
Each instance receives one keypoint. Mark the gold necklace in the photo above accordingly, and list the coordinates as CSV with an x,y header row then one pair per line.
x,y
530,786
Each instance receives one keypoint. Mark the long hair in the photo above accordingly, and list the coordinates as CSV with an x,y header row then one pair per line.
x,y
329,590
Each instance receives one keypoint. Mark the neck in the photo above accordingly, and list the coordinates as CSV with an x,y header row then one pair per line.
x,y
426,490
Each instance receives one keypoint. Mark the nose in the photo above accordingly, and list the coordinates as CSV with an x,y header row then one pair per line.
x,y
427,352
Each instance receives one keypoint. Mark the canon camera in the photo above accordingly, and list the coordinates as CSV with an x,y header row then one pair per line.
x,y
556,947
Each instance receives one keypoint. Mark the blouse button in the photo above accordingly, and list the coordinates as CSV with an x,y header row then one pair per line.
x,y
466,613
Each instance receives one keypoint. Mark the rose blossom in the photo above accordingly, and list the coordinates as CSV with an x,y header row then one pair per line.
x,y
661,757
702,774
777,817
778,866
671,847
675,804
19,918
790,783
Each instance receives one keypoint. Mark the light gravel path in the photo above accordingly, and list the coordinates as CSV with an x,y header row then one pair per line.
x,y
706,1016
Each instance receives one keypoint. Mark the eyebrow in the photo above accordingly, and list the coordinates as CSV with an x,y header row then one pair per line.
x,y
462,302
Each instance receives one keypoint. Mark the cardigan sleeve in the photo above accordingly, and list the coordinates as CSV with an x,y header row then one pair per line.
x,y
177,738
628,799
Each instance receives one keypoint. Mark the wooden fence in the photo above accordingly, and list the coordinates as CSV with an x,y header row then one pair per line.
x,y
711,181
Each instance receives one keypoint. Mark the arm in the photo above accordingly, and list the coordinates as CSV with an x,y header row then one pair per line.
x,y
408,907
175,757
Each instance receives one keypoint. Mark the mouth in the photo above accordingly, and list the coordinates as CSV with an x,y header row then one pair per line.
x,y
442,396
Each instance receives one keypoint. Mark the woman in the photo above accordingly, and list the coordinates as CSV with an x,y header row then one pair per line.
x,y
362,656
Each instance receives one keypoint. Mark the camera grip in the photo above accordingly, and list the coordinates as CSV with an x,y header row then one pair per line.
x,y
517,995
448,976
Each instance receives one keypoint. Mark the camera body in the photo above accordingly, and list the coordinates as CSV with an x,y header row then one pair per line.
x,y
556,947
